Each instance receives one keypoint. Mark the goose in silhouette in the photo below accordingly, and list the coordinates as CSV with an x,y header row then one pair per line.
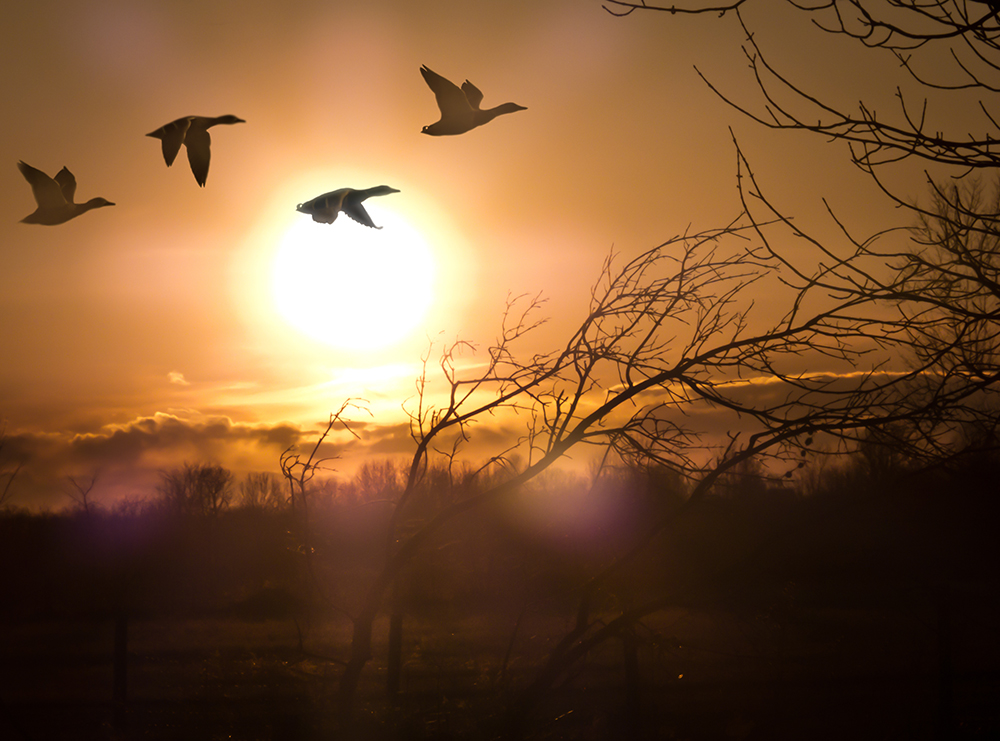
x,y
54,197
325,208
192,132
460,111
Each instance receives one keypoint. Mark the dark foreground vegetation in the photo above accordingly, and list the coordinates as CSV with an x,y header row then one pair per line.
x,y
864,604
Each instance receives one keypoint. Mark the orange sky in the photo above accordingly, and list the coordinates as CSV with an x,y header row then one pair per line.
x,y
139,336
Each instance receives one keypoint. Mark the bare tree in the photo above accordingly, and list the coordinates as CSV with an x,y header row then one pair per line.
x,y
956,269
675,331
377,480
259,491
298,471
196,489
918,34
669,334
80,491
936,297
944,282
945,49
214,489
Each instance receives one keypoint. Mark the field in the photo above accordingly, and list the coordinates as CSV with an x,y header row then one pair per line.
x,y
702,674
854,615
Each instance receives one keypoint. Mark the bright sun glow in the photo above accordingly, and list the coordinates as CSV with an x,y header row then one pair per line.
x,y
351,286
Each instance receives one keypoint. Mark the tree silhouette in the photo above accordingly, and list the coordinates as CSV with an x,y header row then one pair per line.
x,y
298,471
954,273
944,282
676,332
669,335
936,297
259,491
80,491
196,489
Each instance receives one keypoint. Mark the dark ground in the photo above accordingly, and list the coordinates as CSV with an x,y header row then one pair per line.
x,y
874,673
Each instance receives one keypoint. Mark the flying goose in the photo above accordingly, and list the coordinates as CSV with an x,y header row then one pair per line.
x,y
54,197
325,208
192,132
460,111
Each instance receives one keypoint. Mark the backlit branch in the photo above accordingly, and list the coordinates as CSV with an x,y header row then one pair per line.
x,y
299,471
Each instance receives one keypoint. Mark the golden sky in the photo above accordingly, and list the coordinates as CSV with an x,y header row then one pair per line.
x,y
142,335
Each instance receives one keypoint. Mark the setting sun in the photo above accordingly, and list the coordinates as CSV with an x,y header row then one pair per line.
x,y
351,286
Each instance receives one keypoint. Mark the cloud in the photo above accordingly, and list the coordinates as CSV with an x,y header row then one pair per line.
x,y
178,378
128,457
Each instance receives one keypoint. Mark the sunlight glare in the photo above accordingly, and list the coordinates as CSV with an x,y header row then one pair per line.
x,y
350,286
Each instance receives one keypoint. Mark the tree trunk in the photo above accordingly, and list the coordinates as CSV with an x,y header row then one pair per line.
x,y
361,653
395,657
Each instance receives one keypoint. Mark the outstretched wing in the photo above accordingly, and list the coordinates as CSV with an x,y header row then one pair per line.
x,y
199,148
352,203
472,94
450,98
67,184
171,136
47,192
356,211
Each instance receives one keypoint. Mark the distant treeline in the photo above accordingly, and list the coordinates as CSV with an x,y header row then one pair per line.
x,y
876,528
